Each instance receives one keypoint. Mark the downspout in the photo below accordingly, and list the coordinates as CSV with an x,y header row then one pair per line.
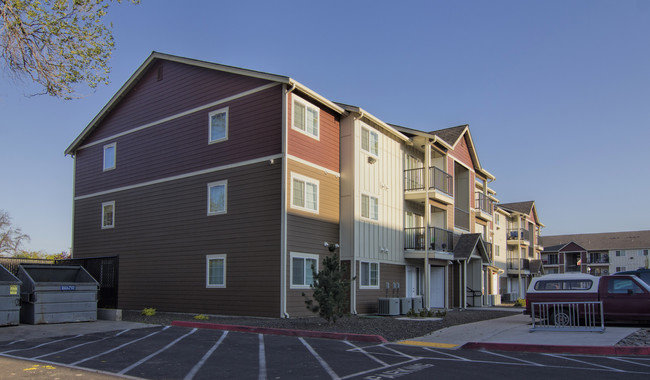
x,y
283,202
427,216
74,182
353,261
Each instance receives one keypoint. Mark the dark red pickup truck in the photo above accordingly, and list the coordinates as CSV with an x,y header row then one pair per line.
x,y
624,297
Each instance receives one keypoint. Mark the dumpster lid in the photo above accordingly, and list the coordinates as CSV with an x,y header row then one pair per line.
x,y
55,274
7,277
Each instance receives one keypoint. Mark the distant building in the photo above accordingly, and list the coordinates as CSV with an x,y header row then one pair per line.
x,y
598,254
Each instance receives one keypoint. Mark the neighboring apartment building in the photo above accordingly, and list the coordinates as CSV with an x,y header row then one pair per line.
x,y
518,228
598,253
220,187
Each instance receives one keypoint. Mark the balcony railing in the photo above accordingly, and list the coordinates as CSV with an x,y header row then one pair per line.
x,y
518,264
440,239
438,179
520,234
597,259
484,203
461,218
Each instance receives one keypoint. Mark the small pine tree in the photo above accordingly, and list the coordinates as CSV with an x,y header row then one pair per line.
x,y
330,291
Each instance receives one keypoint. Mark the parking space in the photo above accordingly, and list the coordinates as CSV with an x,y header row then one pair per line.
x,y
186,353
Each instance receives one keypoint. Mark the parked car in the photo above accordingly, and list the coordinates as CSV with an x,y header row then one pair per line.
x,y
624,297
643,274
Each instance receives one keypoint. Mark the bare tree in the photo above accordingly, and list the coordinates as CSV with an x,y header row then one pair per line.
x,y
57,43
11,238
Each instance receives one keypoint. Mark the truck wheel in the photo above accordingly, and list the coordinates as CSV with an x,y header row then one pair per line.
x,y
561,318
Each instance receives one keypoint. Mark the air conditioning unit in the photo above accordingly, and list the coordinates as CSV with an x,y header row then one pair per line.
x,y
388,306
417,304
405,304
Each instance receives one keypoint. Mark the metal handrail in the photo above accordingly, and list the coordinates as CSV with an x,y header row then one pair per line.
x,y
567,316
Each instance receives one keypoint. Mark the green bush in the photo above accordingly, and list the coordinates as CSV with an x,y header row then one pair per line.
x,y
148,312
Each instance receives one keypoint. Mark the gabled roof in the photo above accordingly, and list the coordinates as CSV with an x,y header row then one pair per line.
x,y
155,56
603,241
388,127
566,247
466,244
523,208
451,135
535,266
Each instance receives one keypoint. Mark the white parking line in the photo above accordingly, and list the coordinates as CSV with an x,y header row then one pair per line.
x,y
513,358
41,345
262,360
15,341
322,362
379,368
445,353
584,362
70,348
205,357
629,361
143,360
363,351
119,347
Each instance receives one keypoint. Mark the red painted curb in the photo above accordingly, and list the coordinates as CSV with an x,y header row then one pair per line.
x,y
287,332
591,350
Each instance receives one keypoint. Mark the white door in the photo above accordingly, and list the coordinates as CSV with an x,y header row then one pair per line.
x,y
410,281
437,289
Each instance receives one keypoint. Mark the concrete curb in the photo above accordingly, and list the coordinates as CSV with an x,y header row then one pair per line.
x,y
558,349
287,332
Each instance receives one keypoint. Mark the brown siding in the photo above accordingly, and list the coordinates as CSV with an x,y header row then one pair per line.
x,y
325,150
306,235
328,192
183,87
180,146
162,235
367,298
461,153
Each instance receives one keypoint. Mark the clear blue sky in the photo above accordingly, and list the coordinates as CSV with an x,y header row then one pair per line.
x,y
556,93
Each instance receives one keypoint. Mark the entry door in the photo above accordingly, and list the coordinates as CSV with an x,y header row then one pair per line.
x,y
413,281
437,289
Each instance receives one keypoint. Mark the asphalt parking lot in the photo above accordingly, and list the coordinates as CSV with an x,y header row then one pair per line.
x,y
185,353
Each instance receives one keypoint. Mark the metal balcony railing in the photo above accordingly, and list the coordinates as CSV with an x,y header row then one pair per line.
x,y
438,180
518,264
518,234
484,203
440,239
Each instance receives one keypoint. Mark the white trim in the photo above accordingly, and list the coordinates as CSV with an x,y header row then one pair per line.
x,y
112,225
215,112
297,99
369,218
107,146
306,180
207,270
179,115
301,255
223,183
181,176
313,165
370,263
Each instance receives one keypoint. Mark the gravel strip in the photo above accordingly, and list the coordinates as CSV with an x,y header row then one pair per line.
x,y
391,328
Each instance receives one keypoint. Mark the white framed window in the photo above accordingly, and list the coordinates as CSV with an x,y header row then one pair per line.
x,y
218,125
306,117
369,207
110,155
108,214
497,219
217,197
215,271
368,275
370,141
301,274
304,193
497,250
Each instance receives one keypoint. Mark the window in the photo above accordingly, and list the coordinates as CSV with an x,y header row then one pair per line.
x,y
623,286
497,250
305,117
620,253
301,274
109,156
497,220
370,141
369,207
108,214
620,269
304,193
564,285
645,252
217,197
218,125
215,271
369,274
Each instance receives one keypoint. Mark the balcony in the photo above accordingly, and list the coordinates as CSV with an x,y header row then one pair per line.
x,y
441,185
484,207
518,236
441,240
516,266
598,259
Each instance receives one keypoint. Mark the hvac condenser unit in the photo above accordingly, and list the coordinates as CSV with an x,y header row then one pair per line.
x,y
388,306
417,304
405,304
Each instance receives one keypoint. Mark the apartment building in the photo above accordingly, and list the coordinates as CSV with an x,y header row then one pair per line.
x,y
220,188
598,254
